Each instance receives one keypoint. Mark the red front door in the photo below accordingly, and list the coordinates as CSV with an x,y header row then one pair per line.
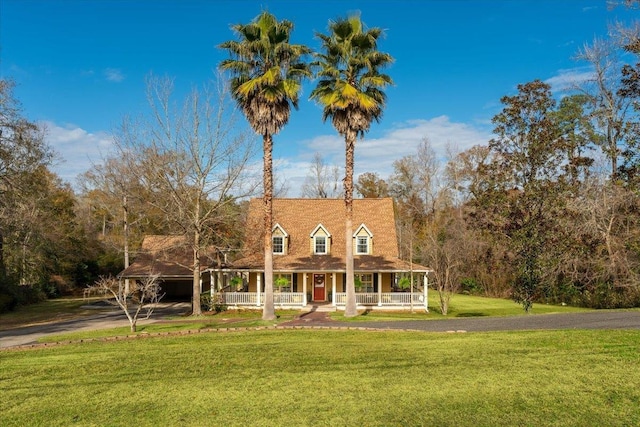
x,y
318,287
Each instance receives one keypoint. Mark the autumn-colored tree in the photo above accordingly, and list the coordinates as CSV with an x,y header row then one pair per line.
x,y
370,185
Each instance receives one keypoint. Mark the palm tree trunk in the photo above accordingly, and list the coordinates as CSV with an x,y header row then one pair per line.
x,y
350,308
268,312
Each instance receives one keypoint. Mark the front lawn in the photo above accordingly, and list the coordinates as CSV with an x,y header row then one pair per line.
x,y
337,377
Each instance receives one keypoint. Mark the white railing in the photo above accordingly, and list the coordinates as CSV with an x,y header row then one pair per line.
x,y
401,299
239,298
293,299
287,298
250,298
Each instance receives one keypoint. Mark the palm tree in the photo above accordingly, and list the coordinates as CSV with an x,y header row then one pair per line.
x,y
350,92
266,74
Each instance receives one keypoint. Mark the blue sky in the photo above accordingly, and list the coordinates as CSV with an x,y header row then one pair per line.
x,y
80,66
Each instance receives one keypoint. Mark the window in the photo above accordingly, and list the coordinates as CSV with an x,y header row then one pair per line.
x,y
278,244
362,241
283,282
362,245
320,245
364,282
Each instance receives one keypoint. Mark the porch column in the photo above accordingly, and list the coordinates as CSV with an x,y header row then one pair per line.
x,y
333,289
379,289
258,286
426,292
213,279
304,288
200,283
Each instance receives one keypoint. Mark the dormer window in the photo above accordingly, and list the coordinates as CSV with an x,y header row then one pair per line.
x,y
278,245
362,245
279,239
320,241
362,241
320,245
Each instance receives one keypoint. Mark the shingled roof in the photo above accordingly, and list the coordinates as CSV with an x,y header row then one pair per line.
x,y
299,217
166,256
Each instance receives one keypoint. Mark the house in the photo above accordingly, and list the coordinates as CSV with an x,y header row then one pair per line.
x,y
171,259
308,239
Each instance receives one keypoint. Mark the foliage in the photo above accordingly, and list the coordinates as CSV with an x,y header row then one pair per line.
x,y
522,184
281,282
212,303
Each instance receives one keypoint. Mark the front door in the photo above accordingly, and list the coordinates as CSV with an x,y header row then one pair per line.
x,y
318,287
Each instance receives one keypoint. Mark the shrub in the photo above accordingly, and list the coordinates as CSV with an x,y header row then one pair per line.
x,y
7,303
214,303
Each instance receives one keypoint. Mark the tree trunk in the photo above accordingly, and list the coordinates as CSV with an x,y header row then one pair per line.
x,y
350,308
268,312
195,303
3,268
125,232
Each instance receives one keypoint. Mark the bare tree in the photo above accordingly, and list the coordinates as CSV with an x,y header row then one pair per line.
x,y
193,162
607,107
134,300
322,181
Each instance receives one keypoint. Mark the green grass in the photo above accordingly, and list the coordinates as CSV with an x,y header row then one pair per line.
x,y
327,378
459,306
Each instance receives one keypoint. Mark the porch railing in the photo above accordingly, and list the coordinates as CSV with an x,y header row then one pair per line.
x,y
402,299
250,298
296,299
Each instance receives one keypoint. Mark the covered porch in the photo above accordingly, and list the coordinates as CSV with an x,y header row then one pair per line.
x,y
298,289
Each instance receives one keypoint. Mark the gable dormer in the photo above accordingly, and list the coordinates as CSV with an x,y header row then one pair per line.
x,y
320,241
279,240
363,241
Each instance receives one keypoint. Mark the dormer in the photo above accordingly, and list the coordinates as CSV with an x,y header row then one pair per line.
x,y
279,240
320,241
363,241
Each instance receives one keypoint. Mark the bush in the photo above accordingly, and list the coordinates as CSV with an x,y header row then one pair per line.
x,y
7,303
470,286
214,304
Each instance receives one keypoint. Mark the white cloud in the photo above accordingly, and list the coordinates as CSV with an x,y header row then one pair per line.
x,y
567,79
76,148
378,154
114,75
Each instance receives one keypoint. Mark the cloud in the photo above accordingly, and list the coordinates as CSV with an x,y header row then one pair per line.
x,y
378,154
77,150
114,75
567,79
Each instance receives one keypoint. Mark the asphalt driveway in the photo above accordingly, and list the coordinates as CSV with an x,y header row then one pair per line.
x,y
101,319
590,320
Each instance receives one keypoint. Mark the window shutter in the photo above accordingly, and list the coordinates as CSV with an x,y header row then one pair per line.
x,y
375,282
294,280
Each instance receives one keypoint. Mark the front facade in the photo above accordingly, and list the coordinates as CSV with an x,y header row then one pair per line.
x,y
308,239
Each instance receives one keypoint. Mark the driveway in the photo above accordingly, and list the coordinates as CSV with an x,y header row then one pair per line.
x,y
103,318
590,320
